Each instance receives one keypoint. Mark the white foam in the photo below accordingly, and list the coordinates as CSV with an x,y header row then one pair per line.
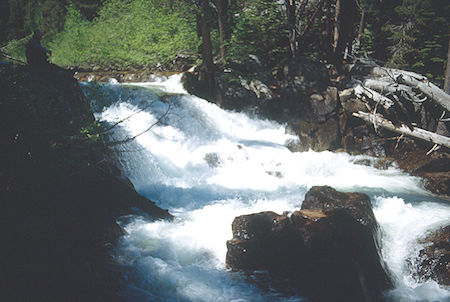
x,y
208,165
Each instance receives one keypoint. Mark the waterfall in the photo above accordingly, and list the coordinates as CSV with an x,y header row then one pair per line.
x,y
207,165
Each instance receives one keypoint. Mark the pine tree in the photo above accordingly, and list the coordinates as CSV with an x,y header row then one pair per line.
x,y
419,39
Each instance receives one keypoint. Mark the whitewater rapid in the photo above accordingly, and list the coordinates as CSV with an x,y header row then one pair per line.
x,y
207,166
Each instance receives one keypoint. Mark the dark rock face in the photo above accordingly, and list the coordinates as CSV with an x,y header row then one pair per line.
x,y
433,261
60,193
327,253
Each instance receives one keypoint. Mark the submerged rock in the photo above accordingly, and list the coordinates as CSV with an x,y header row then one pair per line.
x,y
432,262
326,251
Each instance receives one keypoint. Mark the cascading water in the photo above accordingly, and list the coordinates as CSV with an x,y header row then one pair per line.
x,y
207,166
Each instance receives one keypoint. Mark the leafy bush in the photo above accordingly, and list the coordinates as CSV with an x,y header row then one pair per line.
x,y
127,34
16,48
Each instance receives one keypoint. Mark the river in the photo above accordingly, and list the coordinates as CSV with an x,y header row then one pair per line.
x,y
207,165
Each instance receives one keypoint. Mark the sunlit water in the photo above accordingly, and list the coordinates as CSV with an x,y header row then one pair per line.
x,y
207,166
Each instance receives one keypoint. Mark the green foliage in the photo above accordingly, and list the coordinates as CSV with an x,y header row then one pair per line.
x,y
259,30
16,48
420,38
69,46
367,40
126,34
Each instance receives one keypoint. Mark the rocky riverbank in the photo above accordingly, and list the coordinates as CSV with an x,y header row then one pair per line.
x,y
61,193
319,105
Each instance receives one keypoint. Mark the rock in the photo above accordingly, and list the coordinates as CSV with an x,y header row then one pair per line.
x,y
322,106
433,260
61,194
316,136
261,90
357,204
350,102
326,253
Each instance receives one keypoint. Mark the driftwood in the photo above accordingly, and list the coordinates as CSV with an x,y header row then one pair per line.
x,y
393,89
414,80
394,73
429,89
372,94
414,132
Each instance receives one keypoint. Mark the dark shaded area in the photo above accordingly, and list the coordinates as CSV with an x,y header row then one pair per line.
x,y
61,193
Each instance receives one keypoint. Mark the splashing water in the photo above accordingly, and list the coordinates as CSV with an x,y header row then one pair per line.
x,y
207,166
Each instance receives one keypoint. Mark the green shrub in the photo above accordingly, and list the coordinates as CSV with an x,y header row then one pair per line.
x,y
127,34
16,48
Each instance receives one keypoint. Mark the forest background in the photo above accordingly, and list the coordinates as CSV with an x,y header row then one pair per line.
x,y
145,34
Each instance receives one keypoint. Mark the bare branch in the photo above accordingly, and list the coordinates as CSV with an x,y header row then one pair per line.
x,y
125,141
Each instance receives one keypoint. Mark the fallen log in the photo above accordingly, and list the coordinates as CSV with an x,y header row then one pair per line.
x,y
394,73
414,132
393,88
383,86
428,88
372,94
415,80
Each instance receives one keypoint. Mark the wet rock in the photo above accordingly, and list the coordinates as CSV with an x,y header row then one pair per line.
x,y
411,156
433,260
357,204
327,253
212,159
323,106
317,136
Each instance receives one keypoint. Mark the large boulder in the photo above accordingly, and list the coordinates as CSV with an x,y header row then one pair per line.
x,y
433,259
326,253
357,204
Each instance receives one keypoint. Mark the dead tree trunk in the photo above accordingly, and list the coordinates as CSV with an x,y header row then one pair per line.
x,y
415,132
429,89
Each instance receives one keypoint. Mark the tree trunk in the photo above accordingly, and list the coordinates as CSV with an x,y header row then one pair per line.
x,y
447,71
205,32
222,7
373,95
429,89
415,132
362,23
291,18
345,16
337,31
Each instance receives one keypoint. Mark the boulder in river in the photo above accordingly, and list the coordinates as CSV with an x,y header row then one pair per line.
x,y
327,253
432,262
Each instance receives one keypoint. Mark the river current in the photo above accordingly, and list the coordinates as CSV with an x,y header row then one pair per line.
x,y
207,165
